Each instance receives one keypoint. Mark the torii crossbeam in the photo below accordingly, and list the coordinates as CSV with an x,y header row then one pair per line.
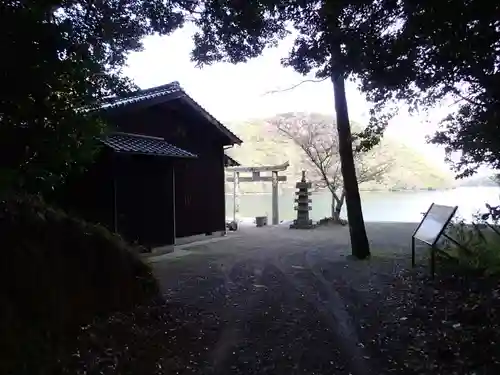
x,y
256,177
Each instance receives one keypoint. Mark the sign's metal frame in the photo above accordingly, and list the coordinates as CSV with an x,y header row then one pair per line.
x,y
432,245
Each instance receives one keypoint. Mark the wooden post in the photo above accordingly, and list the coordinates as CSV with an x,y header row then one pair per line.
x,y
114,167
115,209
236,177
276,219
412,252
234,196
173,203
433,261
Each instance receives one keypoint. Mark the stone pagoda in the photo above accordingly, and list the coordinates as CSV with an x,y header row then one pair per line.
x,y
302,207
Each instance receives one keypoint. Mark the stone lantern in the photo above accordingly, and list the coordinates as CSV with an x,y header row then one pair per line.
x,y
303,199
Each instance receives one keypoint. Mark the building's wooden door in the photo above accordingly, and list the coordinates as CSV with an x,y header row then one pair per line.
x,y
144,193
199,202
184,208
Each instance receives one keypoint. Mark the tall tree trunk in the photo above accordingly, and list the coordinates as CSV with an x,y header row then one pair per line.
x,y
335,209
357,230
337,203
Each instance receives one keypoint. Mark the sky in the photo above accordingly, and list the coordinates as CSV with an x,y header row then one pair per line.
x,y
240,92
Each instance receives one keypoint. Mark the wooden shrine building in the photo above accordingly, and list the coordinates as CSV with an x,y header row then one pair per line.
x,y
160,172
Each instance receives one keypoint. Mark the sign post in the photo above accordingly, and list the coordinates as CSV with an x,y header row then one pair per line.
x,y
431,228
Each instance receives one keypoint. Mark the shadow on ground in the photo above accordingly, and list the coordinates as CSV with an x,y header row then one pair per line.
x,y
288,302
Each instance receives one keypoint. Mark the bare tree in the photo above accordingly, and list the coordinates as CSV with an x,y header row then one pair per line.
x,y
317,137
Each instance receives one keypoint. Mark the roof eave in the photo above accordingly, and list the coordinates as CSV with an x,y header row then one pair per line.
x,y
233,139
154,154
230,162
163,97
158,99
140,144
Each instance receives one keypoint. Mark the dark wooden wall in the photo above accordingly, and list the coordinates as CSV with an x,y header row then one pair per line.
x,y
144,199
199,203
199,193
90,195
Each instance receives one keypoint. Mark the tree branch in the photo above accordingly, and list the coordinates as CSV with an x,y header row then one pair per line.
x,y
295,86
318,139
468,98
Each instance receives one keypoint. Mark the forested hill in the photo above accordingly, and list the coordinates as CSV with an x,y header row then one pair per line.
x,y
264,145
473,181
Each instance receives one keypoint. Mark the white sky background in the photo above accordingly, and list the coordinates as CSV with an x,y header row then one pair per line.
x,y
237,92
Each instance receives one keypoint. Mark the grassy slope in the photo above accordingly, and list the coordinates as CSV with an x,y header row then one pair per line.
x,y
263,145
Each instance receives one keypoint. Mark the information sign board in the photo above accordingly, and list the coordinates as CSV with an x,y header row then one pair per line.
x,y
434,222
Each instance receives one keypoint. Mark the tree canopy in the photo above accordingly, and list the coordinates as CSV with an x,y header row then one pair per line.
x,y
59,57
418,52
442,50
328,34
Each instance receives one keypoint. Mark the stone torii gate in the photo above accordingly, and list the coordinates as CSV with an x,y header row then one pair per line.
x,y
236,179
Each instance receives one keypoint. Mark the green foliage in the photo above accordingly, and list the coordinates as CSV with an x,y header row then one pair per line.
x,y
328,34
260,24
58,58
332,38
480,250
57,274
326,221
416,51
430,54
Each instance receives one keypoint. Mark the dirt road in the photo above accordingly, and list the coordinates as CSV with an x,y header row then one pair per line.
x,y
279,301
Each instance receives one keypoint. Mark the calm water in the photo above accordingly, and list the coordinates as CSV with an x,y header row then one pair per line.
x,y
377,206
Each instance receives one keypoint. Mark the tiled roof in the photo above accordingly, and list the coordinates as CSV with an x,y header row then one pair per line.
x,y
140,144
141,95
165,93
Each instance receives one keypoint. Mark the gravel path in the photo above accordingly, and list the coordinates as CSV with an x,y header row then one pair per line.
x,y
279,301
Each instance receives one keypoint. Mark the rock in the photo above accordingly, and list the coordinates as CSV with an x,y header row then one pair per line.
x,y
232,225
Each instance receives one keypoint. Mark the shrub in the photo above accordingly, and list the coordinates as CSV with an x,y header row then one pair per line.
x,y
480,246
331,221
57,274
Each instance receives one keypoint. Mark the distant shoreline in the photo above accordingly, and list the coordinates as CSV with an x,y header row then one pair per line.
x,y
375,190
428,189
